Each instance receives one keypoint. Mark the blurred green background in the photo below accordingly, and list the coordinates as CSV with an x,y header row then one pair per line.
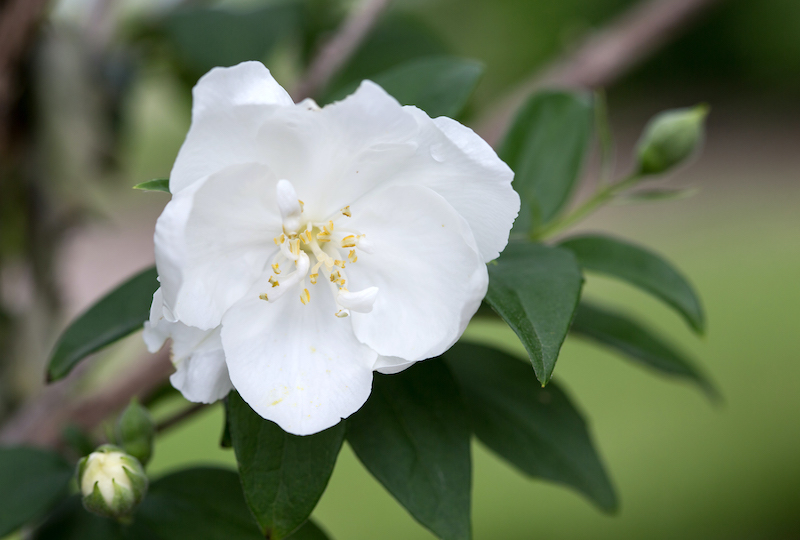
x,y
110,106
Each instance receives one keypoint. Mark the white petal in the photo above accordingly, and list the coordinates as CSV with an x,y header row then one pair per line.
x,y
156,334
358,301
202,375
214,240
389,365
430,276
297,365
229,106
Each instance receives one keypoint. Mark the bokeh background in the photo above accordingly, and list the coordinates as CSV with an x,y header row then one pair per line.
x,y
105,105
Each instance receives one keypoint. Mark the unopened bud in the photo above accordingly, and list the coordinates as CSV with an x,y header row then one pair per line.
x,y
112,482
135,431
671,138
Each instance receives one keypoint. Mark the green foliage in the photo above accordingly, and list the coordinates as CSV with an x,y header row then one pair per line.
x,y
283,475
670,138
202,38
135,432
637,343
656,195
157,184
31,481
120,312
642,268
413,436
308,531
535,289
546,147
536,429
439,85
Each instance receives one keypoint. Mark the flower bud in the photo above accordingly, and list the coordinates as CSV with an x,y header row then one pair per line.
x,y
670,138
112,482
135,431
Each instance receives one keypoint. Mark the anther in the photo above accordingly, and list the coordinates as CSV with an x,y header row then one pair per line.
x,y
294,247
335,276
276,268
263,296
313,278
279,239
352,257
342,314
302,205
349,241
338,263
305,236
346,211
273,281
305,298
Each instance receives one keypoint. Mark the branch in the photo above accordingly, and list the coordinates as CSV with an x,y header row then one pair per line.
x,y
340,48
602,58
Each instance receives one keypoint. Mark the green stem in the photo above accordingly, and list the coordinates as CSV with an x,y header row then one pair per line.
x,y
600,197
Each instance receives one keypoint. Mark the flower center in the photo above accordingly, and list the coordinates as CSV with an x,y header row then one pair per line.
x,y
316,251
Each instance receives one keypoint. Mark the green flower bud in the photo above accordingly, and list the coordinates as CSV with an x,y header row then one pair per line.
x,y
135,432
670,138
112,482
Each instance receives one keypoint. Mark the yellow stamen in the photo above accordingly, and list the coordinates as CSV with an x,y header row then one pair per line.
x,y
330,226
339,263
341,282
294,247
349,241
263,296
346,211
302,205
352,257
335,276
305,298
341,314
313,278
273,281
276,268
279,239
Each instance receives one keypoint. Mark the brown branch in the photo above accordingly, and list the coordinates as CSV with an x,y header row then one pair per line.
x,y
340,48
42,421
180,416
603,57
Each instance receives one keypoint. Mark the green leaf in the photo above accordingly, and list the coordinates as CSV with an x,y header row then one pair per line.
x,y
308,531
198,503
71,522
641,268
120,312
31,481
546,147
283,475
535,289
537,430
637,343
413,436
158,184
655,195
206,37
439,85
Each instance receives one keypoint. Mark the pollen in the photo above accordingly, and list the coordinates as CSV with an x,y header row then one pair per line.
x,y
349,241
263,296
335,276
352,257
273,281
305,298
279,239
276,268
346,211
313,278
338,263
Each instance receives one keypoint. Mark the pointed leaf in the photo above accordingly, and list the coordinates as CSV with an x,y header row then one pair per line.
x,y
439,85
120,312
70,521
197,503
309,531
283,475
637,343
546,147
642,268
536,429
412,435
159,184
535,289
31,481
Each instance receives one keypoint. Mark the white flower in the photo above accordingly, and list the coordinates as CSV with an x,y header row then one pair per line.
x,y
326,242
112,482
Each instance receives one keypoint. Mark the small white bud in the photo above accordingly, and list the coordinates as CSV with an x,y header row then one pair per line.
x,y
112,482
670,139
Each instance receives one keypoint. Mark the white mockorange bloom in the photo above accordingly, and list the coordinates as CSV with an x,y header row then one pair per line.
x,y
324,243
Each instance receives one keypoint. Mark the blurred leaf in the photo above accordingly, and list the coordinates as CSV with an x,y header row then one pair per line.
x,y
641,268
120,312
283,475
309,531
204,37
198,503
439,85
537,429
71,522
396,39
535,289
637,343
655,195
31,481
546,147
159,184
413,436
